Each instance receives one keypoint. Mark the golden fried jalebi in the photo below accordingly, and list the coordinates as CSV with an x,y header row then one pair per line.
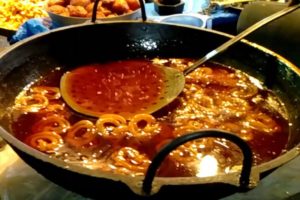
x,y
49,92
244,90
32,103
81,133
46,141
55,123
55,108
185,129
214,97
231,105
243,131
143,131
111,126
38,98
131,159
261,122
185,153
201,74
13,13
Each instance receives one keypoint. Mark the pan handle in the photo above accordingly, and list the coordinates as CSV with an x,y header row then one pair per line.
x,y
143,10
160,156
94,14
96,3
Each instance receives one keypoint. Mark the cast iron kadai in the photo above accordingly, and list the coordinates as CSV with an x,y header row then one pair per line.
x,y
67,47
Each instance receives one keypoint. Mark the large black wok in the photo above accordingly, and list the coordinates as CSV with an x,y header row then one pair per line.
x,y
71,46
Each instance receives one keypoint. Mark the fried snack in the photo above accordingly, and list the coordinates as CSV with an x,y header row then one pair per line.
x,y
133,4
81,133
82,3
45,141
54,123
60,10
106,11
56,2
185,153
111,126
120,7
107,3
77,11
130,159
230,102
262,122
14,13
55,108
101,11
84,8
90,6
32,103
146,130
98,15
49,92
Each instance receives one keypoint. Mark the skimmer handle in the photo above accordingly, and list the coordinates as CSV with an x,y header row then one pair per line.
x,y
292,6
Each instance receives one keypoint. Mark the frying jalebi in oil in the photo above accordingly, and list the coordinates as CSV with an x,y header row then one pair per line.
x,y
56,108
143,131
37,98
81,133
141,126
46,141
214,96
130,159
49,92
32,103
55,123
261,121
111,126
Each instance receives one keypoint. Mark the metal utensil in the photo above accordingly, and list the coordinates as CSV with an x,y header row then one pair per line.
x,y
181,80
292,7
175,80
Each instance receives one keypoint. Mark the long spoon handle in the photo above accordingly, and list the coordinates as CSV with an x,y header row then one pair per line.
x,y
292,6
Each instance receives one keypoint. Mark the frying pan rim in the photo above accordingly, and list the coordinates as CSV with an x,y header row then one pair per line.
x,y
135,182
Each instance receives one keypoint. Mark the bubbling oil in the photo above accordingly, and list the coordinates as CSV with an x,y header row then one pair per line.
x,y
214,96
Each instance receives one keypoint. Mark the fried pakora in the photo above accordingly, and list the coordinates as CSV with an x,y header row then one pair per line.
x,y
120,7
77,11
133,4
82,3
60,10
84,8
56,2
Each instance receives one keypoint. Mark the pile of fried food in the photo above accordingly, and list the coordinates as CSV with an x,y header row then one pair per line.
x,y
84,8
13,13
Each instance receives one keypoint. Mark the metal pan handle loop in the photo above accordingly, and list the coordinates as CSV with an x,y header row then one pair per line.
x,y
143,10
164,152
94,14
